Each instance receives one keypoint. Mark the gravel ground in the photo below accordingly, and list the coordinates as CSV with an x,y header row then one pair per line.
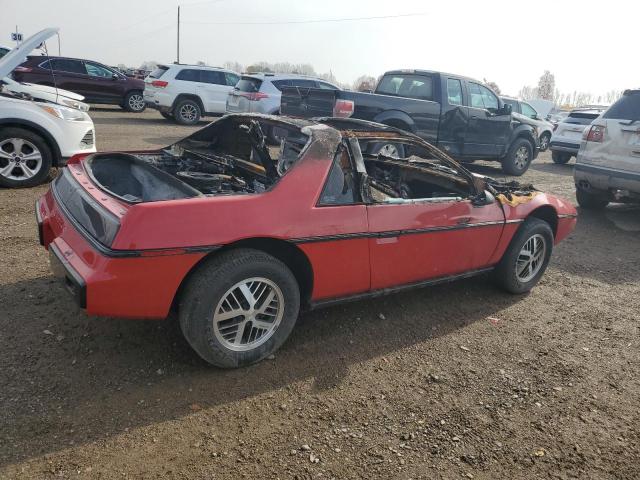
x,y
455,381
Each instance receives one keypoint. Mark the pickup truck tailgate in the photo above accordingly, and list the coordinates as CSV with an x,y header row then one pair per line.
x,y
307,102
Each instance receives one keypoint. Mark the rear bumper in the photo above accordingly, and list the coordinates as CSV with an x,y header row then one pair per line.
x,y
114,283
564,147
605,180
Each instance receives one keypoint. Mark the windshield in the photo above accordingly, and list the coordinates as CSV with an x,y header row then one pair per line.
x,y
626,108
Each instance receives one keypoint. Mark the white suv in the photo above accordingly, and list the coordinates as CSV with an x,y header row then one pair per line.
x,y
36,135
565,141
184,93
608,164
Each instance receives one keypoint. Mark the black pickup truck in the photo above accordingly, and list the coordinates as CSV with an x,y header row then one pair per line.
x,y
459,115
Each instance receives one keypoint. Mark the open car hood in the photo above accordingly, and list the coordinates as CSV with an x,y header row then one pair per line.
x,y
18,55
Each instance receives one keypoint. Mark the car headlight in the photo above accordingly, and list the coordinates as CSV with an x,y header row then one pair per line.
x,y
65,113
83,107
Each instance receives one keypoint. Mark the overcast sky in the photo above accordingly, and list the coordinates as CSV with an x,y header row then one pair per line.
x,y
589,46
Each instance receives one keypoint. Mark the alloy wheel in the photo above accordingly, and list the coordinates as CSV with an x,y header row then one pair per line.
x,y
531,258
248,314
544,142
389,150
188,113
136,102
19,159
522,158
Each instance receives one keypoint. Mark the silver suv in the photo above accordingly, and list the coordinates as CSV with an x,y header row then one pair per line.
x,y
608,164
261,92
565,141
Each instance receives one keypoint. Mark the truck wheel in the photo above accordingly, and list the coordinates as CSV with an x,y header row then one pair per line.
x,y
560,157
527,257
239,308
590,201
25,158
134,102
187,112
394,150
544,142
519,157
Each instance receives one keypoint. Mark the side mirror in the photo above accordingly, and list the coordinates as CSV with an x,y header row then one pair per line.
x,y
484,198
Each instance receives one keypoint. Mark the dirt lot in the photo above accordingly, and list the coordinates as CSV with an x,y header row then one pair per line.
x,y
456,381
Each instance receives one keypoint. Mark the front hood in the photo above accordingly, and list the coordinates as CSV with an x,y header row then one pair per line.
x,y
54,91
19,54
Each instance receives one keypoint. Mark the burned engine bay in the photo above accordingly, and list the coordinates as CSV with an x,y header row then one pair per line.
x,y
230,157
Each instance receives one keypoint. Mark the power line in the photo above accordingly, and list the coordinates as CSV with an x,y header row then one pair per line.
x,y
326,20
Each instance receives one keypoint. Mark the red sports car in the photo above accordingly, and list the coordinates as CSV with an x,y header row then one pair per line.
x,y
237,235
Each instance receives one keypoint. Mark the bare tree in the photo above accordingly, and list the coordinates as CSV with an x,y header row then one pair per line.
x,y
528,93
234,66
200,63
546,85
364,83
149,65
493,86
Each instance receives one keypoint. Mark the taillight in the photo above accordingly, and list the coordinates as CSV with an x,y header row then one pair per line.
x,y
22,69
254,96
343,108
594,134
159,83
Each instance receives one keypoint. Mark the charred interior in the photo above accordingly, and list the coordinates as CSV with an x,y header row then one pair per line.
x,y
238,155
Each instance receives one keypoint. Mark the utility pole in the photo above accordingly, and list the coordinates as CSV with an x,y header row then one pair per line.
x,y
178,42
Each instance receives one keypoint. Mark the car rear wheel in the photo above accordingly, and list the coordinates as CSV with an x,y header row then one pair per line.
x,y
388,149
167,115
590,201
134,102
25,158
239,308
526,258
560,157
518,158
187,112
544,142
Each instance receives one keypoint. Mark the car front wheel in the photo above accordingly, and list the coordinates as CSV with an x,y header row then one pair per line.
x,y
134,102
518,158
25,158
239,308
526,258
544,142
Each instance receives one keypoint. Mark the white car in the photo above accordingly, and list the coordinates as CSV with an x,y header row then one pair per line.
x,y
525,112
37,135
608,164
44,93
565,141
184,93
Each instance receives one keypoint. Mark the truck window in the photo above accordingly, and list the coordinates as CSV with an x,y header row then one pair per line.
x,y
482,97
514,104
407,85
454,91
528,110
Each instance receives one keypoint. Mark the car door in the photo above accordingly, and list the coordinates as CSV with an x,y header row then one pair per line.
x,y
70,74
213,91
419,239
488,129
454,117
103,84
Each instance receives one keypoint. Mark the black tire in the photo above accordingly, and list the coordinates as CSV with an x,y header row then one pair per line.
x,y
560,157
40,172
187,112
545,138
590,201
377,147
167,115
505,273
518,158
208,286
134,102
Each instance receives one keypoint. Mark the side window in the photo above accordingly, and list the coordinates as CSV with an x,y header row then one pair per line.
x,y
489,99
188,75
339,189
231,79
281,83
298,82
514,105
528,110
67,65
454,91
325,86
97,71
210,76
